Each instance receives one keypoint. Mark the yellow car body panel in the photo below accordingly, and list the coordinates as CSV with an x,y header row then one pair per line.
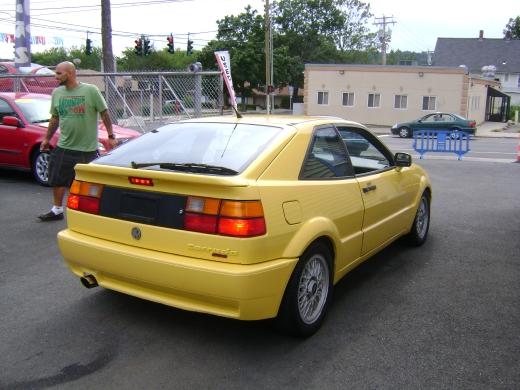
x,y
243,278
247,292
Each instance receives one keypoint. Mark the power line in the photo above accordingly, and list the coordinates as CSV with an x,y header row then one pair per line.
x,y
113,5
91,29
416,38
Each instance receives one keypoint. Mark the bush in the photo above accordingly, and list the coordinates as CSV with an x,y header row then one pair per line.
x,y
511,114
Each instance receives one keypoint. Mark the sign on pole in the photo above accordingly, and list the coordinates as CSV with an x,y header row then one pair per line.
x,y
224,63
22,43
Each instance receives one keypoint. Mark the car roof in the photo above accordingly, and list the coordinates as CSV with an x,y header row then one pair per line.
x,y
25,95
275,120
32,65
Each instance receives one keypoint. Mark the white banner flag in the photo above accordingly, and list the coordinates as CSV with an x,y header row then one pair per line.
x,y
224,63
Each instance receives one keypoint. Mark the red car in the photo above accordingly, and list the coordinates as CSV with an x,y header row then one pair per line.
x,y
24,118
35,84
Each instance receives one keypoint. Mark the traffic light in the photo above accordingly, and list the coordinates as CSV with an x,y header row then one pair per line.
x,y
189,49
171,49
88,47
147,50
138,47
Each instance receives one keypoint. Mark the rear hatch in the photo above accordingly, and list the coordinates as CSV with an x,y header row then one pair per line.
x,y
147,206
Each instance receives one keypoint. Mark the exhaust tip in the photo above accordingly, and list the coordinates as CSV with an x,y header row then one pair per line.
x,y
89,281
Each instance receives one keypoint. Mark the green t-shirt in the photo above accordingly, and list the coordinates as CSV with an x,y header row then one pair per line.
x,y
78,110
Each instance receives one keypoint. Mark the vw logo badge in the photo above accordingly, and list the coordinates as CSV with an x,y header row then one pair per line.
x,y
136,233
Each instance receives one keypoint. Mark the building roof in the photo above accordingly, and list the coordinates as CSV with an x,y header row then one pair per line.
x,y
478,52
385,68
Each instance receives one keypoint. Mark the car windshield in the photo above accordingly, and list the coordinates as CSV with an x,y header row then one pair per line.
x,y
41,70
35,110
214,148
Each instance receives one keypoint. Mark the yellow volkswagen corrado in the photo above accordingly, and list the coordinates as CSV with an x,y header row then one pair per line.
x,y
249,218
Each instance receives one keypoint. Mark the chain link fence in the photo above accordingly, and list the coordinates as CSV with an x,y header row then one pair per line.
x,y
141,101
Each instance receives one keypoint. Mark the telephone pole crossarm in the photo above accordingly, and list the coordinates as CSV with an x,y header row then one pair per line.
x,y
384,34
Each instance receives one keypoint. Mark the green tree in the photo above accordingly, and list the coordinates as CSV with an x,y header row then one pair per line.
x,y
320,31
159,60
55,55
243,37
513,28
50,57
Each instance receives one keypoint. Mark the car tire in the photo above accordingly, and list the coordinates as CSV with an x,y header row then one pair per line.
x,y
40,167
308,293
421,222
404,132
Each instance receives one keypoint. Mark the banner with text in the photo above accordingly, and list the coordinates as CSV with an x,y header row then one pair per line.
x,y
224,63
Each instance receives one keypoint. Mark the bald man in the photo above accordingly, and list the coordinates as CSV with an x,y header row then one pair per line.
x,y
74,108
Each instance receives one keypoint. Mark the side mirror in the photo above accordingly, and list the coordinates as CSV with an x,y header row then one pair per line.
x,y
402,160
11,121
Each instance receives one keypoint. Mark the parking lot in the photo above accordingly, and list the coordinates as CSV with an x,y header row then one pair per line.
x,y
445,315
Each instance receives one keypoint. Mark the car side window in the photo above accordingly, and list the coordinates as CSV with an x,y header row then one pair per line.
x,y
3,69
5,109
367,153
327,156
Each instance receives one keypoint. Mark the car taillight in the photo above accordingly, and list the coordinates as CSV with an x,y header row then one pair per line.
x,y
472,124
140,181
84,196
225,217
200,223
241,227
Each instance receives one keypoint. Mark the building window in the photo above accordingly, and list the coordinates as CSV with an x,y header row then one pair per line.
x,y
475,103
373,100
323,97
401,101
429,103
348,99
518,82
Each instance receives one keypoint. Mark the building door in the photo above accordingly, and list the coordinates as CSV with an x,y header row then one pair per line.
x,y
497,106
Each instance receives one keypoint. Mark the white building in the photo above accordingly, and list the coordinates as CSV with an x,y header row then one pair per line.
x,y
384,95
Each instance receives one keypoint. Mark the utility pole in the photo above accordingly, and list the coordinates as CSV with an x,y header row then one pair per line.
x,y
108,56
384,35
267,57
106,36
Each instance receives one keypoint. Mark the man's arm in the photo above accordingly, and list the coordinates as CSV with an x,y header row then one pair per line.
x,y
51,129
105,117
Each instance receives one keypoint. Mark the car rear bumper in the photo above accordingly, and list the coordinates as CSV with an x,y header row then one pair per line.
x,y
246,292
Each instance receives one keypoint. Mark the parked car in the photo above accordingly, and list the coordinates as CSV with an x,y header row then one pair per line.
x,y
248,218
435,121
39,83
24,118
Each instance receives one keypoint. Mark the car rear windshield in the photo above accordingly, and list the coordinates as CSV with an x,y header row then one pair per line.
x,y
228,145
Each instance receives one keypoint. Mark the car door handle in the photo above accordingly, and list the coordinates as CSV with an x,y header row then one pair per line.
x,y
369,188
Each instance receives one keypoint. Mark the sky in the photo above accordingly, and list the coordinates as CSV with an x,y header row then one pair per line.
x,y
417,25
